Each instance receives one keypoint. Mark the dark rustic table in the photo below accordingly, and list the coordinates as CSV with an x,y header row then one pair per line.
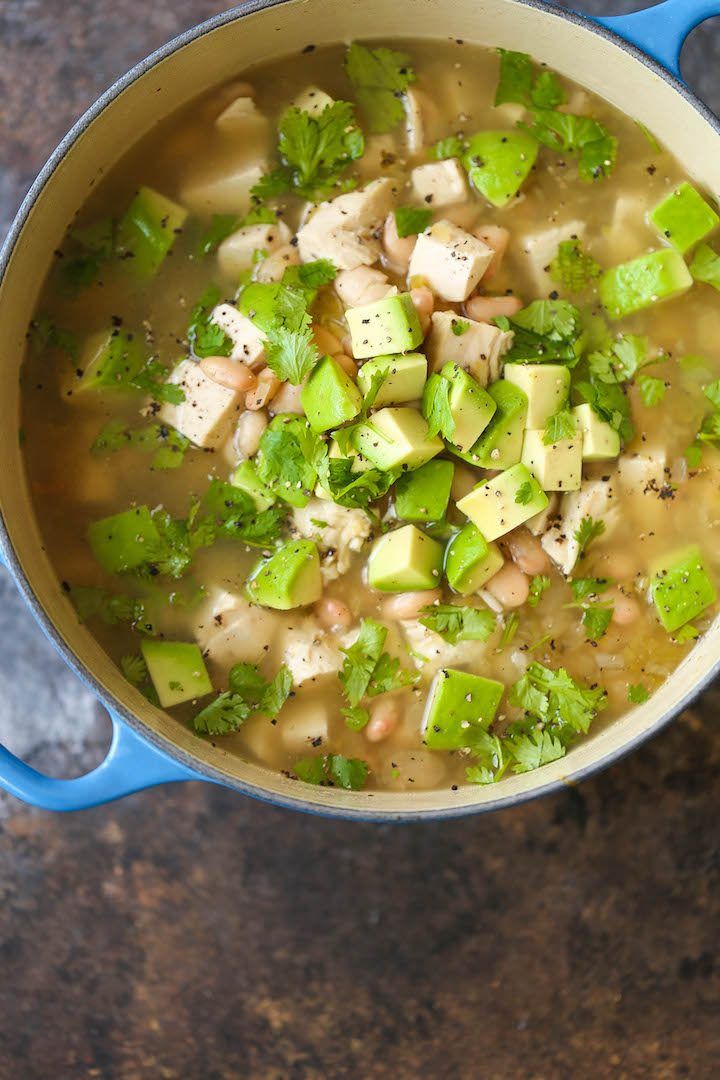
x,y
191,933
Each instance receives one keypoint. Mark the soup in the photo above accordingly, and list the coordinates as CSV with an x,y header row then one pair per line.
x,y
371,411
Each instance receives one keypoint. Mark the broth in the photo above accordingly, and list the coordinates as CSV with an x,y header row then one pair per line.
x,y
661,499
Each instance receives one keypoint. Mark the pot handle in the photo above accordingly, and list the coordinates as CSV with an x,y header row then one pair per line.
x,y
661,31
131,765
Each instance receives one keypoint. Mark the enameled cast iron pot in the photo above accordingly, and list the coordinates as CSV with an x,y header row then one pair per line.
x,y
632,61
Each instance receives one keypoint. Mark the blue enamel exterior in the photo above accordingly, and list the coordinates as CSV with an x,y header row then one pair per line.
x,y
134,762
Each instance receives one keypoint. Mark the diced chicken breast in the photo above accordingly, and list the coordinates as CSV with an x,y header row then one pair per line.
x,y
206,414
248,341
273,268
238,252
309,652
223,193
429,652
229,630
597,499
414,125
440,183
344,532
541,247
313,101
449,260
347,230
643,474
628,233
478,349
540,522
243,120
362,286
304,725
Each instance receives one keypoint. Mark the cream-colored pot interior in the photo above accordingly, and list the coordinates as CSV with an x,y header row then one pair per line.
x,y
571,48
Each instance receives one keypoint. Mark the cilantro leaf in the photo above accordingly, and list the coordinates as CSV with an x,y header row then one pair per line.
x,y
705,266
554,698
44,334
518,83
652,390
459,327
360,660
609,401
512,625
309,277
620,360
454,623
333,769
205,337
637,694
288,456
167,445
436,408
314,151
538,585
582,588
380,77
388,675
533,750
280,310
248,692
712,392
411,220
596,620
587,531
573,268
353,489
567,134
356,718
450,147
545,330
276,693
561,425
225,714
292,354
134,669
111,608
524,493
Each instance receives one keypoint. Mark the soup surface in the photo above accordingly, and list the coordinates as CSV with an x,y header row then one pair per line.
x,y
371,410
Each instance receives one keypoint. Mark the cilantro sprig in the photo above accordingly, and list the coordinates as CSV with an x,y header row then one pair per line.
x,y
333,770
248,693
455,623
367,670
573,268
380,78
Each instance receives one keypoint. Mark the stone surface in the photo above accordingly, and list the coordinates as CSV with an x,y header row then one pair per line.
x,y
188,932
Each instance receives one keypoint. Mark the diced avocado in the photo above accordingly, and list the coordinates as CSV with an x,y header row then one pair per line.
x,y
600,439
681,587
499,505
546,386
500,444
246,478
498,163
395,438
404,378
405,560
459,706
121,542
557,466
177,671
290,578
639,284
423,495
109,360
330,397
471,406
470,561
386,326
684,218
148,230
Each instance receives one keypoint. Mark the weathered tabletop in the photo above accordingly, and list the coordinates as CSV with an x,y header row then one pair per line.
x,y
192,933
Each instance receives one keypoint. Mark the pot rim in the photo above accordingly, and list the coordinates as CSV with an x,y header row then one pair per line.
x,y
115,707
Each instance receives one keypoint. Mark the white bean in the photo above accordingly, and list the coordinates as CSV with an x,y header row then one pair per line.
x,y
527,552
346,363
397,248
267,387
496,238
384,717
424,303
361,286
248,432
331,613
408,605
625,608
232,374
510,586
487,308
287,400
464,480
326,342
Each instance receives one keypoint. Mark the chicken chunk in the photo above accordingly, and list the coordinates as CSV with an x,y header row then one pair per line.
x,y
596,499
347,230
206,414
449,260
430,652
541,247
237,253
344,532
229,630
248,341
309,652
478,349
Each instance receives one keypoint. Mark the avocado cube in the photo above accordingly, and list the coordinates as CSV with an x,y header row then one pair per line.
x,y
681,587
499,505
177,671
636,285
684,218
499,162
470,561
423,495
109,359
500,445
600,440
385,326
330,397
471,406
459,706
246,478
405,560
404,378
395,438
557,466
122,541
546,386
290,578
148,230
